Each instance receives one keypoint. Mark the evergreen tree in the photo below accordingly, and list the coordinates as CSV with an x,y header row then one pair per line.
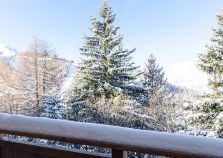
x,y
106,68
153,77
211,61
52,107
207,116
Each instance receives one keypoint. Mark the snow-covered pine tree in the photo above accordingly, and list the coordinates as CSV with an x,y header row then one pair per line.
x,y
74,103
106,68
211,61
207,116
153,79
52,107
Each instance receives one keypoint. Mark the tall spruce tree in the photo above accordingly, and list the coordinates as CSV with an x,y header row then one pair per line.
x,y
211,61
106,68
153,77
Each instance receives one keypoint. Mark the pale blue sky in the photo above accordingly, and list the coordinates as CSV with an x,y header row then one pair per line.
x,y
173,30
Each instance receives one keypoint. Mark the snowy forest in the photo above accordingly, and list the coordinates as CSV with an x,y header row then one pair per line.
x,y
105,86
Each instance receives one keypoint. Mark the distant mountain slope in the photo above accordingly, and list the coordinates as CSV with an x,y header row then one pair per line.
x,y
7,54
186,74
67,81
6,51
10,60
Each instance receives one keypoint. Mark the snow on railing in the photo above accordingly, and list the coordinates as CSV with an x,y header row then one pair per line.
x,y
119,139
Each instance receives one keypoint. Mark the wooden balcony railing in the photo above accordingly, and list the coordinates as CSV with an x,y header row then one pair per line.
x,y
119,139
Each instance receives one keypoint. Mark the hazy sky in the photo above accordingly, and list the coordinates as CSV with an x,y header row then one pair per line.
x,y
173,30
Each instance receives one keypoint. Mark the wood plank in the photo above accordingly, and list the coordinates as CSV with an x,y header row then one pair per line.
x,y
158,143
12,148
22,154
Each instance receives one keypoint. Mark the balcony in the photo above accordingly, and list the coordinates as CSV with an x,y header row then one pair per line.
x,y
119,140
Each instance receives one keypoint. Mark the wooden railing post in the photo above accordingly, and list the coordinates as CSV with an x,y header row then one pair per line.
x,y
119,154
